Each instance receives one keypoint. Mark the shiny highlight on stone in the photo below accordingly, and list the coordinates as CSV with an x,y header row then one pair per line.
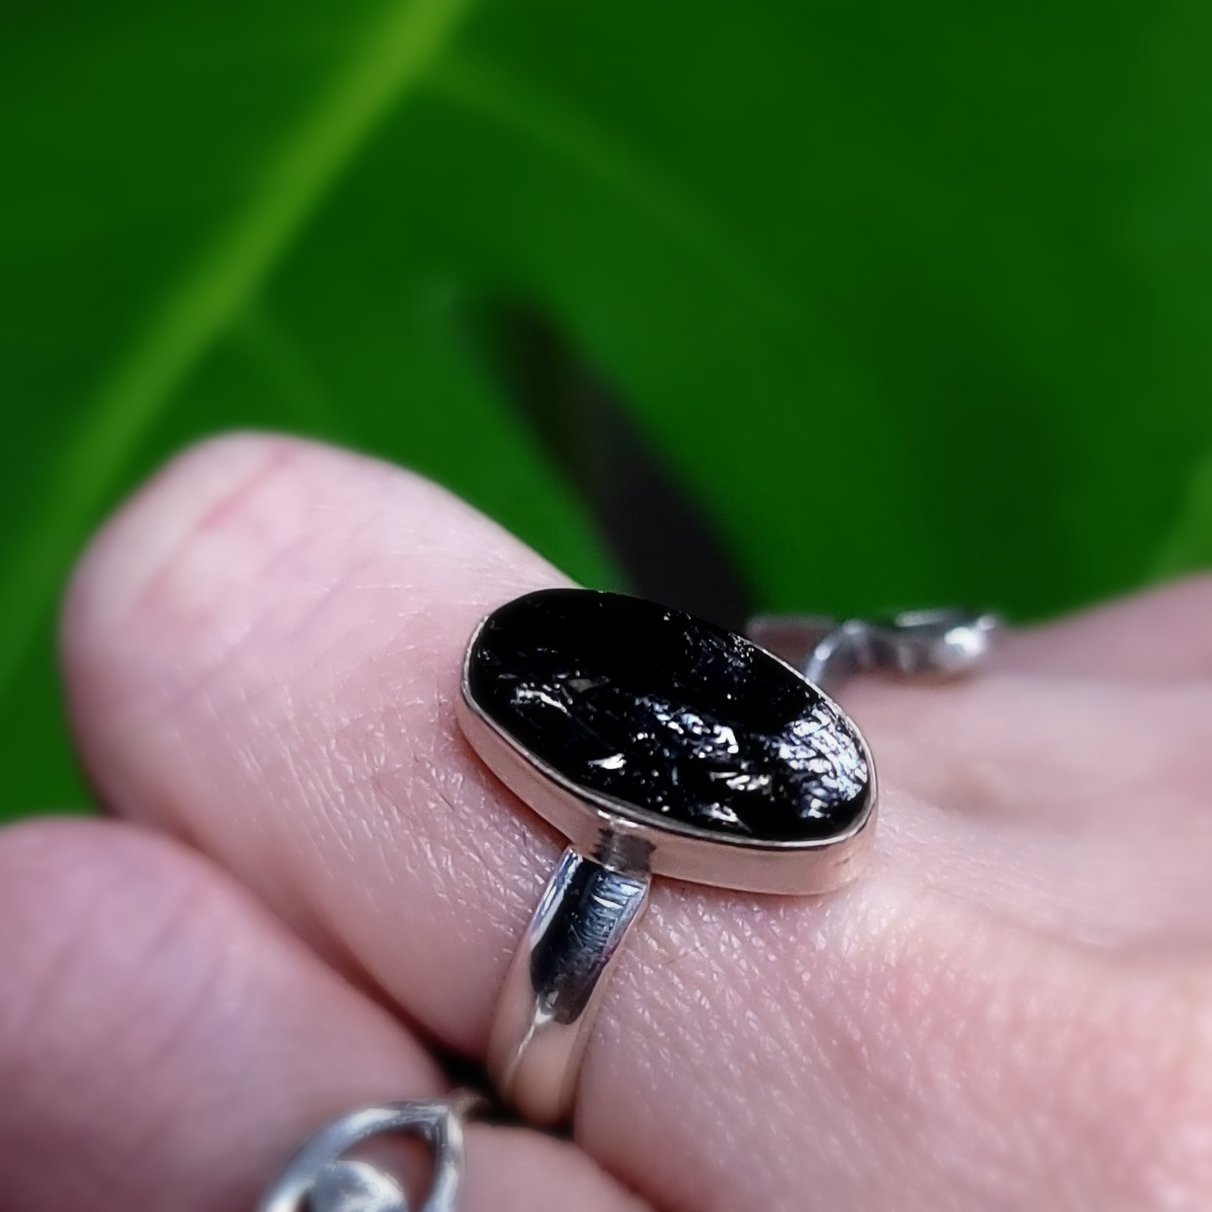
x,y
682,721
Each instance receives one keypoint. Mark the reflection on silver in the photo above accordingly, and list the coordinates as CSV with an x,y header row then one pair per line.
x,y
322,1177
555,982
944,643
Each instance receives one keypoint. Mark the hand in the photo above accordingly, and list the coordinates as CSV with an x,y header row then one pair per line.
x,y
312,884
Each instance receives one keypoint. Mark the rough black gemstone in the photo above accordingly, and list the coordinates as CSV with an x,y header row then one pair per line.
x,y
670,714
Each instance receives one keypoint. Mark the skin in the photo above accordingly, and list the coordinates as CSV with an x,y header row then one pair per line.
x,y
310,882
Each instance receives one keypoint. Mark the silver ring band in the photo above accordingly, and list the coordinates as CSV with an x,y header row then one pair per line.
x,y
555,982
544,709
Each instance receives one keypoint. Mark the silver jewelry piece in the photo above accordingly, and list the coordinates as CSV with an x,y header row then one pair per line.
x,y
323,1177
659,744
944,643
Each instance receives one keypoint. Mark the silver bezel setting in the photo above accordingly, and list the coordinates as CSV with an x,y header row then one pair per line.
x,y
620,836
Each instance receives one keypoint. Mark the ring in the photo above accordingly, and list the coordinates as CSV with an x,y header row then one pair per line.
x,y
659,744
323,1176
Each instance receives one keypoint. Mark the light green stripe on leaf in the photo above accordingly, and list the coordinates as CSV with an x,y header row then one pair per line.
x,y
198,308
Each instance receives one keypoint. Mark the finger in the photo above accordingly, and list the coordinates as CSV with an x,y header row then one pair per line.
x,y
165,1044
387,608
1164,635
1094,791
1068,756
263,653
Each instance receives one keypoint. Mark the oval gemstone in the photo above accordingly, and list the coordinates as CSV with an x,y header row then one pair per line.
x,y
681,720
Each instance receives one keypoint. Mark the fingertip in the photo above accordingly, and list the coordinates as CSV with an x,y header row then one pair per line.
x,y
296,560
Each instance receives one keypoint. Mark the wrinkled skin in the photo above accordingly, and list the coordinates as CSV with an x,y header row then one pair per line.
x,y
310,883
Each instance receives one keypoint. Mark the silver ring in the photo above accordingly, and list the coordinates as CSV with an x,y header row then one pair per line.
x,y
659,744
323,1176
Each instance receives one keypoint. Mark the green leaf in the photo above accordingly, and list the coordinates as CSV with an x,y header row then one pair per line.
x,y
913,298
197,310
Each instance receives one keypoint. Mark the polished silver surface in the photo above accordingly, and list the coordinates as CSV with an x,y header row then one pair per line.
x,y
945,643
555,982
323,1177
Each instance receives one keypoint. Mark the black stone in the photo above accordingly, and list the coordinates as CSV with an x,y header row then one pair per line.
x,y
676,717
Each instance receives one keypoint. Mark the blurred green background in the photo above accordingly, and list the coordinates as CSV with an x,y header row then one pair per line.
x,y
909,302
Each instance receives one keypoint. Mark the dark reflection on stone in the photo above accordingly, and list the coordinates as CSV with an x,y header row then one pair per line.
x,y
670,714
